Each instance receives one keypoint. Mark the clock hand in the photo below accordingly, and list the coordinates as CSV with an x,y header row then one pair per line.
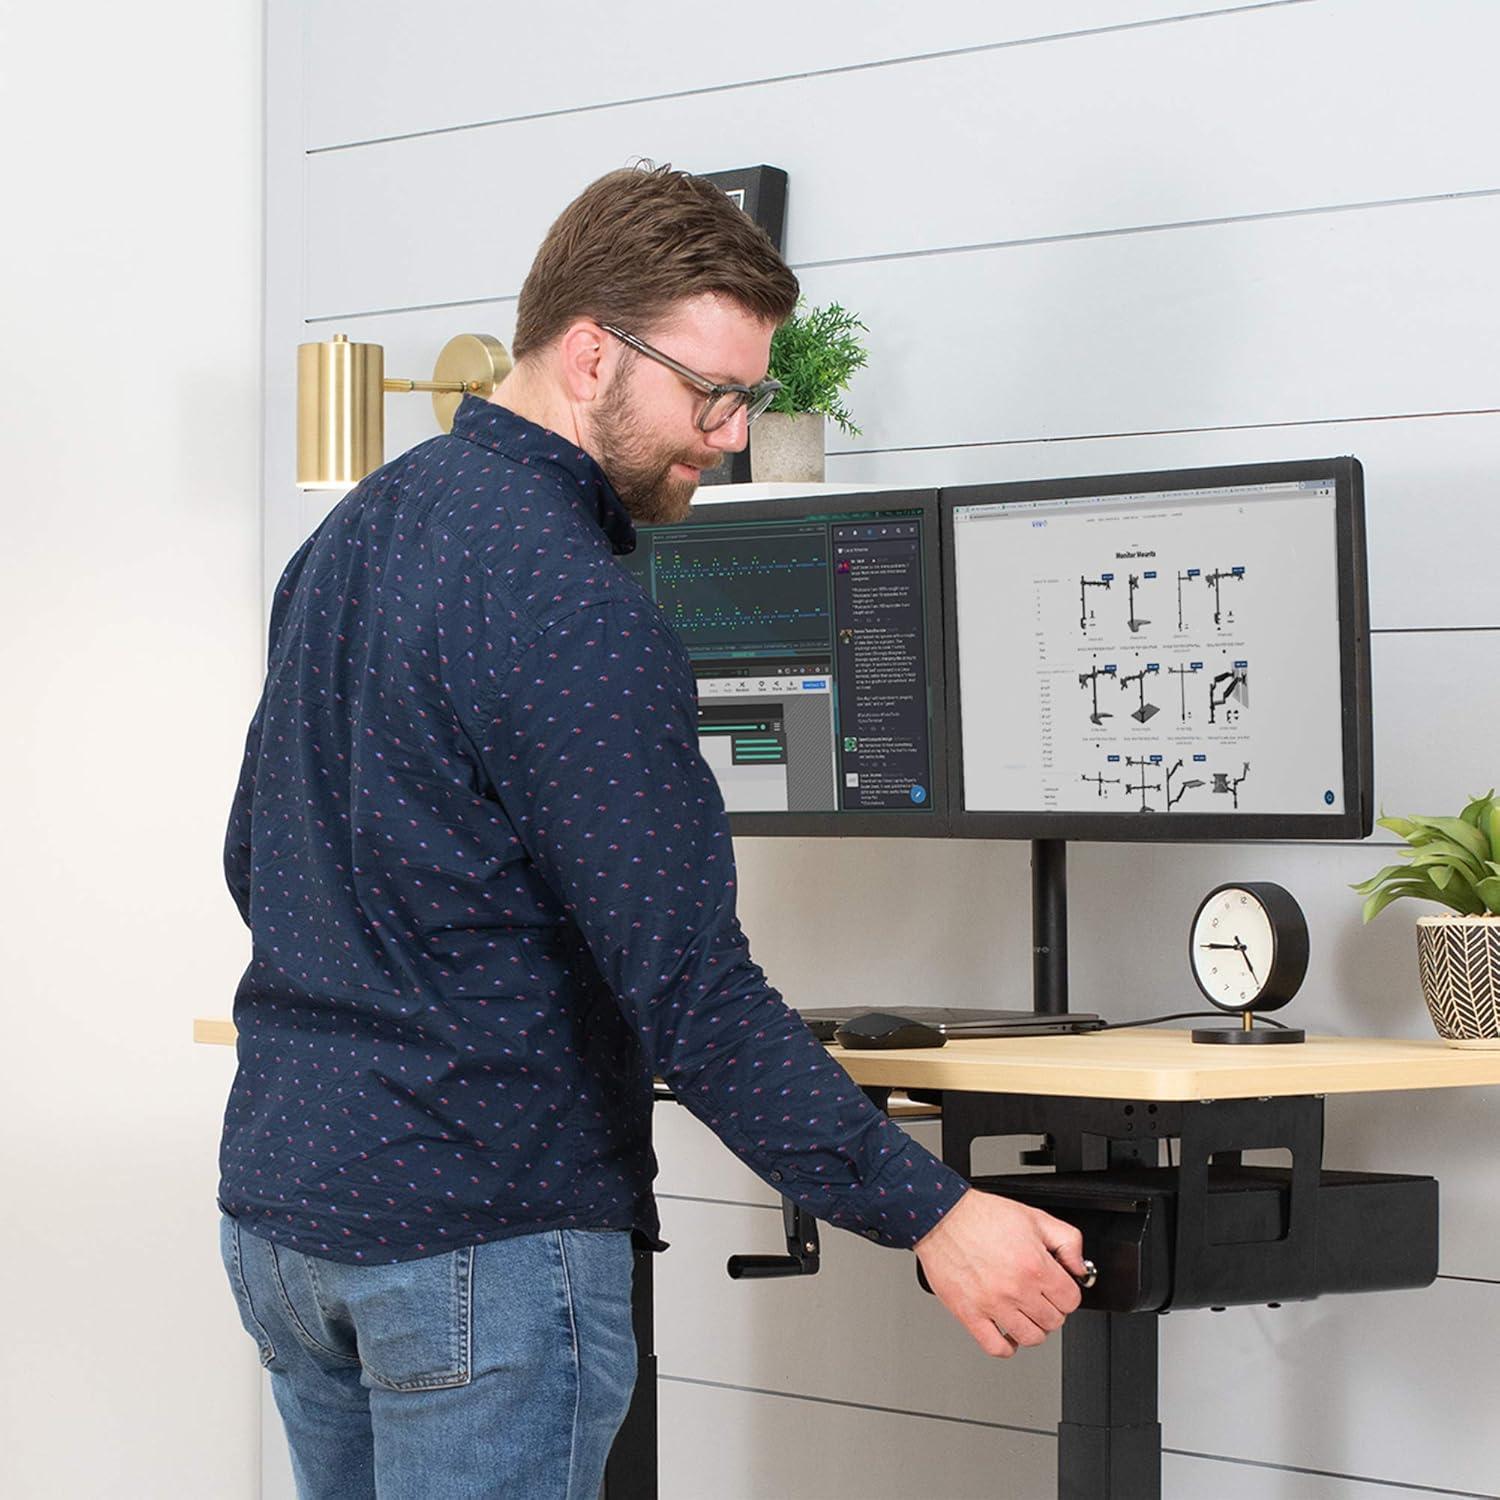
x,y
1239,945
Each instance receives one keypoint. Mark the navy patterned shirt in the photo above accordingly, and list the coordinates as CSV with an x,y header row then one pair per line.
x,y
491,890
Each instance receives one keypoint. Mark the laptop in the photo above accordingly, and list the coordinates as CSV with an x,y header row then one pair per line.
x,y
953,1022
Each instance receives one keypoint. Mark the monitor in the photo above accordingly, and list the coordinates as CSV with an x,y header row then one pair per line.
x,y
814,632
1176,656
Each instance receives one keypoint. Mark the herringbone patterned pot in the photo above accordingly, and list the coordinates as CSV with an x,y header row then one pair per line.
x,y
1459,961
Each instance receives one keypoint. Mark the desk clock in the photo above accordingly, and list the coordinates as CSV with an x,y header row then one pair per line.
x,y
1248,952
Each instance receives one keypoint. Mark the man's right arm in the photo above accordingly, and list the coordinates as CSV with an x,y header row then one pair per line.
x,y
591,744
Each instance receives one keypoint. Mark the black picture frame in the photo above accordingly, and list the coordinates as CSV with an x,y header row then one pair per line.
x,y
761,192
1354,821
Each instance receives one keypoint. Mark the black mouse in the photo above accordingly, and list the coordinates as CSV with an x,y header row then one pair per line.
x,y
879,1028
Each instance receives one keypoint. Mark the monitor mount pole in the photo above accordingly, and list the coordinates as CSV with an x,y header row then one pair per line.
x,y
1049,927
1049,951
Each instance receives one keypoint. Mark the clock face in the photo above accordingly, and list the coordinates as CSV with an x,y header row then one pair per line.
x,y
1233,948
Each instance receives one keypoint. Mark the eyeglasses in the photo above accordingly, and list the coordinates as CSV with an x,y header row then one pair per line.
x,y
722,402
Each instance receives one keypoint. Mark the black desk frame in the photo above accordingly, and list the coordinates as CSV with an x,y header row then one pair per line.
x,y
631,1471
1109,1438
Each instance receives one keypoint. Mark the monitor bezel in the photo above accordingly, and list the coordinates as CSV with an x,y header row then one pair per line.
x,y
723,509
1356,818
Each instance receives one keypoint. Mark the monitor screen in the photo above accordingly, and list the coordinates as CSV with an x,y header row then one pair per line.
x,y
814,633
1170,656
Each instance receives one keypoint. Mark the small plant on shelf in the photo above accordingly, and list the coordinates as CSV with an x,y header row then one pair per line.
x,y
814,354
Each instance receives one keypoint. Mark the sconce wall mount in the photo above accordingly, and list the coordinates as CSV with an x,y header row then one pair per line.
x,y
341,388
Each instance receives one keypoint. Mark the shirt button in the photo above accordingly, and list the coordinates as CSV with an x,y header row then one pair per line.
x,y
872,1234
775,1176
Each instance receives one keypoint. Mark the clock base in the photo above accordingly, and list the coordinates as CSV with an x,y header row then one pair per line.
x,y
1261,1036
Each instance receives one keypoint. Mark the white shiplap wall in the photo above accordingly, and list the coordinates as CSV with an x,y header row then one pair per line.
x,y
1088,236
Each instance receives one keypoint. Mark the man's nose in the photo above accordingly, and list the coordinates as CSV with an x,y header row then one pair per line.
x,y
732,436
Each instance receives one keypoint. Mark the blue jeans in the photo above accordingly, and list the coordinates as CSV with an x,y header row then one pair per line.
x,y
496,1370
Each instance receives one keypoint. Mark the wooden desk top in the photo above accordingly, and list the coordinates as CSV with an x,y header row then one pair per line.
x,y
1157,1063
1150,1063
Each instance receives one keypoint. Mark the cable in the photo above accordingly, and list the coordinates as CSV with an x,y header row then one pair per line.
x,y
1182,1015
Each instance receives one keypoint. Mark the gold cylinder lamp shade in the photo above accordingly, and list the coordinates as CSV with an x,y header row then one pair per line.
x,y
341,390
340,412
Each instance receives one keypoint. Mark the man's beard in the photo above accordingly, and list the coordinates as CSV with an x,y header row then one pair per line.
x,y
640,471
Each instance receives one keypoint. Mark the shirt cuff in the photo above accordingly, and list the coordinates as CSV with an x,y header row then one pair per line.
x,y
905,1199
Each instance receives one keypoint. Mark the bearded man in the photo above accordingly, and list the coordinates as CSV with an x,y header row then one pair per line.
x,y
491,894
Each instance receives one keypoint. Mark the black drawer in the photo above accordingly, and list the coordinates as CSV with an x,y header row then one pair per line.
x,y
1369,1232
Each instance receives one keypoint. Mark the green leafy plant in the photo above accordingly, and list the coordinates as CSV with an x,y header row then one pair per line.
x,y
814,354
1453,861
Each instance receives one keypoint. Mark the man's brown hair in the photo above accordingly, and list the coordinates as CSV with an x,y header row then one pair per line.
x,y
636,242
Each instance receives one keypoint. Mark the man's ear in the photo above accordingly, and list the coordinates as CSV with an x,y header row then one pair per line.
x,y
584,359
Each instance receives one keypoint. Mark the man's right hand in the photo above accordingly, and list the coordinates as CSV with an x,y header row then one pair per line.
x,y
1007,1272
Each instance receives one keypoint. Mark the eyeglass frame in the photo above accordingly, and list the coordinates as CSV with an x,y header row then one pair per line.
x,y
754,399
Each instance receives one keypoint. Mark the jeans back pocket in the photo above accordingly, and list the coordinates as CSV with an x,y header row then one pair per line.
x,y
413,1320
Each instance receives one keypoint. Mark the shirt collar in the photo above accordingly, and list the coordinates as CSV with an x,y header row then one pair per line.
x,y
500,429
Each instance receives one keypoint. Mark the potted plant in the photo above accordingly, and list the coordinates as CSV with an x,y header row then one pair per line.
x,y
813,354
1455,862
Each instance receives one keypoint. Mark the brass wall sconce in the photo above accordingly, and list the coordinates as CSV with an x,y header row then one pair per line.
x,y
341,390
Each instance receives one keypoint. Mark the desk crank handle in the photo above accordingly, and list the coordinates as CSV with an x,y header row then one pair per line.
x,y
801,1258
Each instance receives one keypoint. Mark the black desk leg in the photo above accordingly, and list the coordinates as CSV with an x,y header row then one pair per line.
x,y
1109,1441
630,1473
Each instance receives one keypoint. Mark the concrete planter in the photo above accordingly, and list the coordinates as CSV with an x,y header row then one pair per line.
x,y
787,449
1458,959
